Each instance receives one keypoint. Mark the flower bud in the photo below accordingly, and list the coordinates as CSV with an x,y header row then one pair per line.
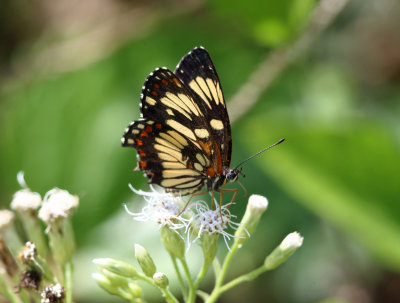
x,y
105,283
161,280
116,267
255,208
145,261
173,242
280,254
56,210
209,245
26,203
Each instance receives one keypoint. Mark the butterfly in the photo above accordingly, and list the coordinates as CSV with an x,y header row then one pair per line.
x,y
183,138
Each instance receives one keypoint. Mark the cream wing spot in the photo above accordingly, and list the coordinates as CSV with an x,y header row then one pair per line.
x,y
202,133
135,131
220,96
182,129
176,165
151,101
211,85
190,103
176,99
216,124
189,184
174,153
201,159
171,139
203,86
198,166
173,173
130,141
193,85
171,104
170,112
140,126
166,143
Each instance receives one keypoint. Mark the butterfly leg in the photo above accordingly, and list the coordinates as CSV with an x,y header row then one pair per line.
x,y
234,190
187,203
212,199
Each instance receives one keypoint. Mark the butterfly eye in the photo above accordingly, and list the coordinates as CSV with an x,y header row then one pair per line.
x,y
232,175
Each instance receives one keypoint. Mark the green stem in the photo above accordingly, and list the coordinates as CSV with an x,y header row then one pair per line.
x,y
192,291
165,291
180,279
169,296
201,275
247,277
68,270
222,273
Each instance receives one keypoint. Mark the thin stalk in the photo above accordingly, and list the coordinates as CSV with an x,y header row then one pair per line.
x,y
244,278
178,274
68,270
192,290
169,296
201,275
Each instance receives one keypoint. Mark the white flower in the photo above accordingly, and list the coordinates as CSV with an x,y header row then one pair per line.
x,y
57,203
213,221
161,208
25,200
6,218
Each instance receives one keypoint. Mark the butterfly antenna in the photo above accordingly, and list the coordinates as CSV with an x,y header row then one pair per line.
x,y
261,151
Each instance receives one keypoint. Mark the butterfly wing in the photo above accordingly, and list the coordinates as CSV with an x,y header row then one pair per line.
x,y
170,136
196,70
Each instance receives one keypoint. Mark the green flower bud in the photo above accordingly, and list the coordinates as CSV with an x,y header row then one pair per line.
x,y
105,283
209,245
136,291
161,280
255,208
173,242
116,267
280,254
145,261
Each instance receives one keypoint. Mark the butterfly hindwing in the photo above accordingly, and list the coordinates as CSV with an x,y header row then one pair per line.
x,y
167,157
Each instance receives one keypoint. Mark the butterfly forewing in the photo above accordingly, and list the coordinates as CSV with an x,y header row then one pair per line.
x,y
196,70
183,138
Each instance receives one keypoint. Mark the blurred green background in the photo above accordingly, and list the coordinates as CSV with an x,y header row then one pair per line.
x,y
70,79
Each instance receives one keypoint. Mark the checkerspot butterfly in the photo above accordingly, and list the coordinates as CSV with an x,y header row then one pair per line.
x,y
183,138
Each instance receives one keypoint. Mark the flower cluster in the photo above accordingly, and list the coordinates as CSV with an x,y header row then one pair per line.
x,y
34,272
198,223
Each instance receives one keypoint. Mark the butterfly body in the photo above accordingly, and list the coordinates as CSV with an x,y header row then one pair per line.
x,y
183,138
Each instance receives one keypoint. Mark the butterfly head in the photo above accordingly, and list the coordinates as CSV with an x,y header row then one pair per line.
x,y
233,174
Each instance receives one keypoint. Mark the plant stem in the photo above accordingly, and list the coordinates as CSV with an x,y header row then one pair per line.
x,y
192,291
68,270
201,275
169,296
222,273
180,279
244,278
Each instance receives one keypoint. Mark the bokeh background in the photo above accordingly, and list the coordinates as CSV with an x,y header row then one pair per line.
x,y
71,73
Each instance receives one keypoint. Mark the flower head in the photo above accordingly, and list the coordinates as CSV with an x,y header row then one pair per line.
x,y
28,253
26,200
57,204
161,207
212,222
